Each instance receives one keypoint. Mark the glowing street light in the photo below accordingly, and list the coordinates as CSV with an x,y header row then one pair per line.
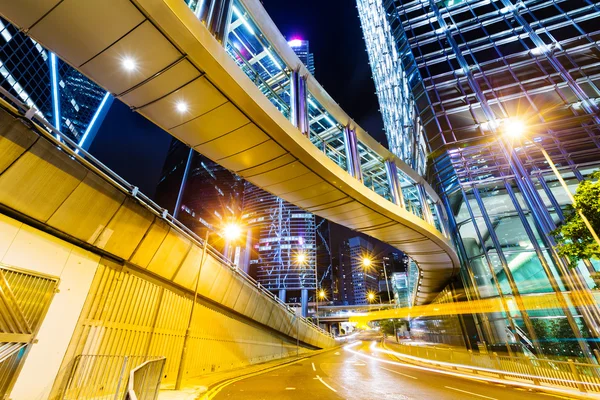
x,y
301,258
322,294
371,297
232,231
366,262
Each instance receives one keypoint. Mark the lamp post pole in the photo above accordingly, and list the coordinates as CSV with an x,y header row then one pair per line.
x,y
181,370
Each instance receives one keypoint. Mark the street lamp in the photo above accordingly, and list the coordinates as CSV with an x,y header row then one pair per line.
x,y
302,259
231,231
516,129
370,297
367,262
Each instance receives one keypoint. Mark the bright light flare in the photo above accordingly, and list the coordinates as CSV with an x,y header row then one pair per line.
x,y
322,294
295,43
366,262
232,231
129,64
514,128
301,258
371,296
182,106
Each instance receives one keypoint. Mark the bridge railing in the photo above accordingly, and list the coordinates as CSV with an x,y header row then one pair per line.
x,y
257,55
17,107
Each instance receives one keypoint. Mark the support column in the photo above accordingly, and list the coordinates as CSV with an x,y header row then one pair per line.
x,y
424,204
442,217
304,302
282,295
394,183
216,14
352,156
186,173
299,103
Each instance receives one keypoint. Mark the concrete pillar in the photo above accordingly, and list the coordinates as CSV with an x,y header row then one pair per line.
x,y
282,295
352,157
304,302
394,183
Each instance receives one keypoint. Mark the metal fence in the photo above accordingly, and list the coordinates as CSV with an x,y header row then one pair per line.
x,y
100,376
144,380
544,372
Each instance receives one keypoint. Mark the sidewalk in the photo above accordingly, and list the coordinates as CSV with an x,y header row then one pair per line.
x,y
196,387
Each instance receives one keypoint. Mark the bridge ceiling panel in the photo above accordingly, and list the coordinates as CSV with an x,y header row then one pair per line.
x,y
158,58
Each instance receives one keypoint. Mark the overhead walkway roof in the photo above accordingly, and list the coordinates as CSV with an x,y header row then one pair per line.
x,y
160,59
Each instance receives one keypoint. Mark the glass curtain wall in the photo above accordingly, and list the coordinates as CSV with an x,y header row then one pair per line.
x,y
472,67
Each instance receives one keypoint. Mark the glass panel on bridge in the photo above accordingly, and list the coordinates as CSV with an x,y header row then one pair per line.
x,y
410,192
374,172
326,133
255,56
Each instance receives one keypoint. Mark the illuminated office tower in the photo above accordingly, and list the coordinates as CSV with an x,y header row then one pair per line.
x,y
283,239
302,50
68,100
466,73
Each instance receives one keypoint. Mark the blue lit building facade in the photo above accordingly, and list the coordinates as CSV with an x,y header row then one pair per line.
x,y
67,99
469,71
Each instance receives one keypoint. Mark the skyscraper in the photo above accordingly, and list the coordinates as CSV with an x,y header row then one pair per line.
x,y
208,197
66,99
301,48
283,257
470,72
354,281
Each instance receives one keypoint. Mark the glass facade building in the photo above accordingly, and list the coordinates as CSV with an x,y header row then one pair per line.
x,y
474,69
64,97
283,238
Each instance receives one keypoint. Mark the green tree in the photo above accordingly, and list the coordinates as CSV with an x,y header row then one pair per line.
x,y
572,236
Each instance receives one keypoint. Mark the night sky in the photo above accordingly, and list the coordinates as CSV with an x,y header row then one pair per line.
x,y
341,62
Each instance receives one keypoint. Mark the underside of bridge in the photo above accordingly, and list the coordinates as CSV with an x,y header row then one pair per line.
x,y
186,83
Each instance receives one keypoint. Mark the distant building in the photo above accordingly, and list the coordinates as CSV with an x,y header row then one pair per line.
x,y
399,287
283,243
68,100
211,195
354,281
302,50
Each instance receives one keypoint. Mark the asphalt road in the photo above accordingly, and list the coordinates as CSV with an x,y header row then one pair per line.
x,y
360,372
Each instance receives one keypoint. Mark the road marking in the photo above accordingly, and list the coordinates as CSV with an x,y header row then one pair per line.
x,y
290,388
325,383
399,373
474,394
313,365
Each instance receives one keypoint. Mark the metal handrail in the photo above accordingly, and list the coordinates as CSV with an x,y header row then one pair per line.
x,y
144,380
571,374
78,153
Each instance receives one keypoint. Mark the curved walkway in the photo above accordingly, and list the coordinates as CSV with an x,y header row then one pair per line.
x,y
157,57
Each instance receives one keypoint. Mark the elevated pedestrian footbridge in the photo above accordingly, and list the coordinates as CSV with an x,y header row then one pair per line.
x,y
219,76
